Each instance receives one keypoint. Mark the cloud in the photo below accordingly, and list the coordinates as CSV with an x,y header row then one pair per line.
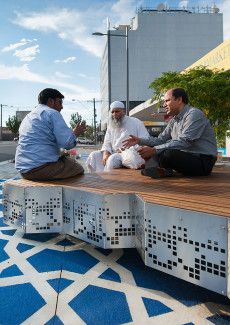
x,y
183,4
70,25
62,75
77,26
123,11
82,75
67,60
23,73
14,46
27,54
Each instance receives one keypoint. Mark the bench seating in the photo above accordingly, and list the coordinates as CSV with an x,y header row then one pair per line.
x,y
178,225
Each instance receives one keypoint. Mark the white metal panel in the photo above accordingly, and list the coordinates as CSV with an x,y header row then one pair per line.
x,y
14,206
87,216
43,206
119,220
68,201
190,245
139,211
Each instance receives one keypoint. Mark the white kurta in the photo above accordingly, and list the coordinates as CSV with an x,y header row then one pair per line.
x,y
113,141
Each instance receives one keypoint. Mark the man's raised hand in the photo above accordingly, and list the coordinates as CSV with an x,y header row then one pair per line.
x,y
79,128
131,141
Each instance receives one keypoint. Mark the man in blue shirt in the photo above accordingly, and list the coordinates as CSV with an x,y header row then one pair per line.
x,y
187,145
41,135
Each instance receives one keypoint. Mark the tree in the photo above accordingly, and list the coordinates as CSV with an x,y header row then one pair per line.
x,y
207,89
75,119
89,132
13,124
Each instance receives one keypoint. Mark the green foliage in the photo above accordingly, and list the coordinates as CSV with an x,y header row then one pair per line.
x,y
13,124
207,89
88,134
75,119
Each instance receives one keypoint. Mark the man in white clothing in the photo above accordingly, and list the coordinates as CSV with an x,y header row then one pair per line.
x,y
119,128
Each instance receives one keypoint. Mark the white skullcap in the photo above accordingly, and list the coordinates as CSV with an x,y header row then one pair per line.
x,y
117,104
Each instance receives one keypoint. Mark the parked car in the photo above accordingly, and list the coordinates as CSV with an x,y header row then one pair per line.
x,y
85,141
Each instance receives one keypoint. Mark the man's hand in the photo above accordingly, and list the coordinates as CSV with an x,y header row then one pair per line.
x,y
147,152
79,128
105,157
131,141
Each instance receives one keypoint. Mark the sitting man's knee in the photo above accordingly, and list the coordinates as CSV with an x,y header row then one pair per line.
x,y
167,157
114,161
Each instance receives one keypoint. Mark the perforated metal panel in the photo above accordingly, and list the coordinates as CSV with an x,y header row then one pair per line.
x,y
188,244
34,209
87,223
119,221
43,209
105,221
14,206
139,212
68,201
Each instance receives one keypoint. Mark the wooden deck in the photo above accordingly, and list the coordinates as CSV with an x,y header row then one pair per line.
x,y
203,194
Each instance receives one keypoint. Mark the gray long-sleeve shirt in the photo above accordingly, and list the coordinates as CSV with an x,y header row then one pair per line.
x,y
189,131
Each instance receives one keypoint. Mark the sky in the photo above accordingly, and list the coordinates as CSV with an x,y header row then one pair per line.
x,y
49,44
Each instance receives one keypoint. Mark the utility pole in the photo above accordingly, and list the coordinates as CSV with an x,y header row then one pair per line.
x,y
1,105
94,118
94,121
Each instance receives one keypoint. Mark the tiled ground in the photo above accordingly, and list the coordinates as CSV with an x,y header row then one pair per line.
x,y
53,279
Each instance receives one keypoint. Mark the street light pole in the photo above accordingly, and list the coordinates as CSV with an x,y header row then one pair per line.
x,y
109,35
1,105
94,121
1,122
109,67
127,68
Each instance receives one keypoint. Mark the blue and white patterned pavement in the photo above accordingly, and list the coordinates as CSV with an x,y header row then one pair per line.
x,y
53,279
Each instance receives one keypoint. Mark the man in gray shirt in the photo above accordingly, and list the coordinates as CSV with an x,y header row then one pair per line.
x,y
187,145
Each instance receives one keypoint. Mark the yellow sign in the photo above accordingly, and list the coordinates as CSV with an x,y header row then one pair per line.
x,y
153,123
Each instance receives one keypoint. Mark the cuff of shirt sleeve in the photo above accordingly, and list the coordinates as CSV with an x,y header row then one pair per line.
x,y
142,141
159,149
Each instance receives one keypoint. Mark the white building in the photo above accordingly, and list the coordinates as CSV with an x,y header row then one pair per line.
x,y
159,41
21,114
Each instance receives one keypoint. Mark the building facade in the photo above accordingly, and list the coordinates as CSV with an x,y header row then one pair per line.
x,y
21,114
159,40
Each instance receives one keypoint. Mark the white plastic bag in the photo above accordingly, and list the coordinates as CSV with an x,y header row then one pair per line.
x,y
119,143
131,158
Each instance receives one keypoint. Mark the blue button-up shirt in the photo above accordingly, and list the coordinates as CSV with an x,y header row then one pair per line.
x,y
41,135
189,131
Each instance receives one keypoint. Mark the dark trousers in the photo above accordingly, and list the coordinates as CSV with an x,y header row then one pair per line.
x,y
65,167
186,163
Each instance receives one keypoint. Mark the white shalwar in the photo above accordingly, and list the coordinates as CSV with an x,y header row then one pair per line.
x,y
113,141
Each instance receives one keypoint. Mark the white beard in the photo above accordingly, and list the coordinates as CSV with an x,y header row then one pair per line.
x,y
115,123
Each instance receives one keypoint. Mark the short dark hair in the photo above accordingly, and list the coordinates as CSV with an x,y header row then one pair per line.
x,y
47,93
180,92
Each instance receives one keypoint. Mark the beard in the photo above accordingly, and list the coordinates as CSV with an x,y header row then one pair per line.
x,y
116,123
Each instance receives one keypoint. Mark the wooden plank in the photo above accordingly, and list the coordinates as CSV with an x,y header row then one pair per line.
x,y
204,194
